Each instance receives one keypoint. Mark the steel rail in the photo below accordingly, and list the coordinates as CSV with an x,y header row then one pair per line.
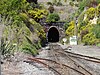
x,y
56,58
93,59
56,63
46,65
77,64
88,58
83,55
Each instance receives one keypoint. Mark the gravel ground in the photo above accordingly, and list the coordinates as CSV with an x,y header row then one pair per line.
x,y
92,66
17,66
92,51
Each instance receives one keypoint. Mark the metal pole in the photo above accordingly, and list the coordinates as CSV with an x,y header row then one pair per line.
x,y
76,32
0,44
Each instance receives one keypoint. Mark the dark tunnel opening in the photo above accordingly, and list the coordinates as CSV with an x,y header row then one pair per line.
x,y
53,35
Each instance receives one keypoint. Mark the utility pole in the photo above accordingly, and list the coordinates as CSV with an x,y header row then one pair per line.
x,y
76,30
0,43
0,29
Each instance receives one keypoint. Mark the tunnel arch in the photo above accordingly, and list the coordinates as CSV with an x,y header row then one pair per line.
x,y
53,34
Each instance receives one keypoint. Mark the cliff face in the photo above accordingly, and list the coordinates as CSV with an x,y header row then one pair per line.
x,y
65,10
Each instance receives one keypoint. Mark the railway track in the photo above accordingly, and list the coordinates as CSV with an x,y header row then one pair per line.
x,y
63,62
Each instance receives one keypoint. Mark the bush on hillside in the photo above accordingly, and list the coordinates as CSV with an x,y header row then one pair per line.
x,y
90,13
7,48
71,3
51,9
96,31
66,25
70,29
98,10
59,4
37,14
49,3
54,17
90,39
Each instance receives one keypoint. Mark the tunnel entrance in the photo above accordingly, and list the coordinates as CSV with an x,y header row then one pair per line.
x,y
53,35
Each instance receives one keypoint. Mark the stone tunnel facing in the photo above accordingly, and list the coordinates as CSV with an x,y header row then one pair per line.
x,y
53,35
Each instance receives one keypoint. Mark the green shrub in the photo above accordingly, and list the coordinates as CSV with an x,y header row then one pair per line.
x,y
90,13
85,3
7,49
90,39
42,36
83,23
83,33
59,4
29,47
77,5
98,1
49,3
98,10
54,17
71,3
98,45
37,14
35,1
98,21
66,25
54,1
70,29
96,31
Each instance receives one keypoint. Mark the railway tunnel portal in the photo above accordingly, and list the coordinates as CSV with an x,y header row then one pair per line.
x,y
53,34
54,31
